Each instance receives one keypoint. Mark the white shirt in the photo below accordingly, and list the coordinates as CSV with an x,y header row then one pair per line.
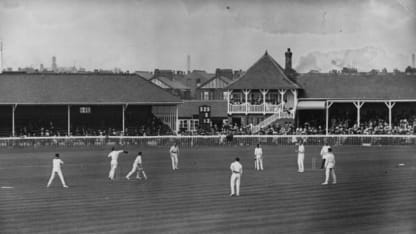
x,y
301,149
174,149
236,167
138,160
329,160
56,163
324,150
114,155
258,152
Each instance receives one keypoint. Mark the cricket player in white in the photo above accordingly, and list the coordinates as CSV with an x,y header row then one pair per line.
x,y
114,161
258,153
301,156
174,152
330,167
236,172
56,169
137,166
324,151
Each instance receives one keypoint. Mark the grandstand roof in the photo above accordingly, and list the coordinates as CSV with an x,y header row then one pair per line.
x,y
266,73
358,86
81,89
189,108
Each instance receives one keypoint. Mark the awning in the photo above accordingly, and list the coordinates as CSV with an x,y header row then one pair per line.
x,y
311,105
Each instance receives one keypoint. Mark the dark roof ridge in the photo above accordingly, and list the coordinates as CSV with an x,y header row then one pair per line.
x,y
267,70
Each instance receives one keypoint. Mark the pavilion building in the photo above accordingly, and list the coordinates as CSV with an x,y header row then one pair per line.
x,y
264,94
267,93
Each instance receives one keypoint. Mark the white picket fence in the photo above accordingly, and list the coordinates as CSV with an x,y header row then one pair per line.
x,y
193,141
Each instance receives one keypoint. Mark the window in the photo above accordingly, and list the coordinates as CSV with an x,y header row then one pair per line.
x,y
194,124
225,95
236,98
204,95
183,124
85,110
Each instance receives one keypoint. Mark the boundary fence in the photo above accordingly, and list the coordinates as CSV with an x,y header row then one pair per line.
x,y
192,141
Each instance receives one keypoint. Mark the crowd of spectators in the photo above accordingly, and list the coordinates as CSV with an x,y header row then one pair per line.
x,y
155,127
151,127
337,127
375,126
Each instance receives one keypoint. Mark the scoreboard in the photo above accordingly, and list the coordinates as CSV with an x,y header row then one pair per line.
x,y
205,117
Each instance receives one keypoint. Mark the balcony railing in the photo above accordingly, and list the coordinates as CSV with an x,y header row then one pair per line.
x,y
255,108
237,108
258,109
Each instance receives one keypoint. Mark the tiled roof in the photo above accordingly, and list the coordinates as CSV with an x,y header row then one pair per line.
x,y
357,86
189,108
266,73
80,89
222,78
172,83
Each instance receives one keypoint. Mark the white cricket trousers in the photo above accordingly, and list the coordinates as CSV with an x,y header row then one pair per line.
x,y
134,169
174,159
301,158
328,171
235,183
113,167
259,163
61,176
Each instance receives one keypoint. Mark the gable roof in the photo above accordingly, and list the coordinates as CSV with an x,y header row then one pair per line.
x,y
266,73
216,85
171,83
359,86
40,88
196,77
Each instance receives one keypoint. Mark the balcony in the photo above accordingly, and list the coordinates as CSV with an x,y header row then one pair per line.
x,y
259,109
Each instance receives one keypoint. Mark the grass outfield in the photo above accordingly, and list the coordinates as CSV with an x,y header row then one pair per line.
x,y
372,194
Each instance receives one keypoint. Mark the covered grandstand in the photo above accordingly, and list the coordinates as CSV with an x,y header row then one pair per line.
x,y
357,101
84,104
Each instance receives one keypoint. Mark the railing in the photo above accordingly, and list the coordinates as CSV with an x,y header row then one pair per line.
x,y
193,141
255,109
273,108
237,108
266,122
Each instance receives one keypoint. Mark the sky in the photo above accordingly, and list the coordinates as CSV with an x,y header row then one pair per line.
x,y
144,35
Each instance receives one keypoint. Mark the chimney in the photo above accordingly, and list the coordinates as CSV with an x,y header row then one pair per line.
x,y
413,60
188,63
288,56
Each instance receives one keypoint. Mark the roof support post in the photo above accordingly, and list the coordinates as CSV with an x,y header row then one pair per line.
x,y
295,100
228,101
327,106
68,107
390,105
124,107
264,92
246,92
176,121
13,120
358,105
282,97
